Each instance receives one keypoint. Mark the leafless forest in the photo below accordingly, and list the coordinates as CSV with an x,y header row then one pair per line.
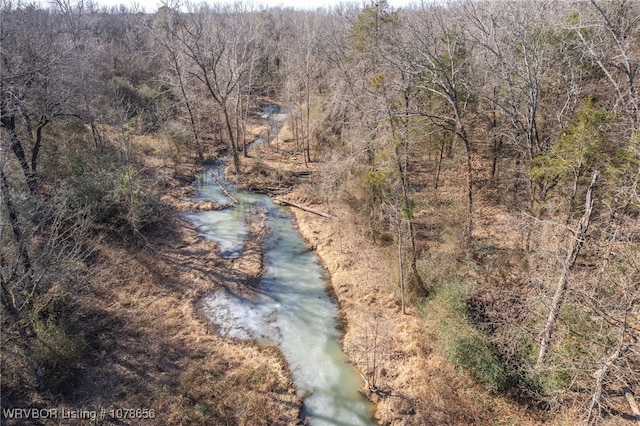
x,y
492,148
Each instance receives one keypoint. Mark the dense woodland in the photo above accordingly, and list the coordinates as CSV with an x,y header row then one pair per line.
x,y
425,121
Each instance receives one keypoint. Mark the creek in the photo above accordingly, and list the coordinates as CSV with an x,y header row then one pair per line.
x,y
291,307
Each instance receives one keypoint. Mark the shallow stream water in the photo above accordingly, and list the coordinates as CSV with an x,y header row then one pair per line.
x,y
292,308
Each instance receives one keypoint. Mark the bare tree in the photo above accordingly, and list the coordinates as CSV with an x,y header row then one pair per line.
x,y
166,26
441,61
372,348
29,98
220,48
612,28
515,47
559,295
40,260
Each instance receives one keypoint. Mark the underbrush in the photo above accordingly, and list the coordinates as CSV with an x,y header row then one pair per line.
x,y
115,197
51,364
490,331
62,351
475,323
465,346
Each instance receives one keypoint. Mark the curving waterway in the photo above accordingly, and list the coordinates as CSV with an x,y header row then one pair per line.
x,y
291,308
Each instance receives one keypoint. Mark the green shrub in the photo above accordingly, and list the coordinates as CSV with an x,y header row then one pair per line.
x,y
136,105
113,197
60,352
177,135
570,359
464,346
469,349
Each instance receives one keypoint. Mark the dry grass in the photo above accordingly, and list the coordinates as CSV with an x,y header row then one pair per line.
x,y
417,385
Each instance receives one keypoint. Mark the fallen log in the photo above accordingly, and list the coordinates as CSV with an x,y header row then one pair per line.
x,y
231,197
306,209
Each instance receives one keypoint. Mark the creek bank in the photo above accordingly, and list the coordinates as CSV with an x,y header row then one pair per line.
x,y
360,288
407,375
154,350
408,382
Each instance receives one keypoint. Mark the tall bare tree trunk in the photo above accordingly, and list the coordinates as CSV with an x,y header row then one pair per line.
x,y
559,296
232,140
439,165
23,252
468,231
181,83
400,254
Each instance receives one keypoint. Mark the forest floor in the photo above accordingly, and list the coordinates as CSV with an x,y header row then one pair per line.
x,y
163,355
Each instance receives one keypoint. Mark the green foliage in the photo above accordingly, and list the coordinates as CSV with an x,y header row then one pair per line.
x,y
625,163
579,148
166,22
130,102
177,135
470,350
366,195
458,53
572,357
377,80
126,96
371,26
448,72
464,345
409,210
60,352
375,178
115,197
622,176
573,18
135,205
630,154
566,47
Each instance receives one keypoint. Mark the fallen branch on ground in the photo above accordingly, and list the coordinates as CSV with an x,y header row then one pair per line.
x,y
306,209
